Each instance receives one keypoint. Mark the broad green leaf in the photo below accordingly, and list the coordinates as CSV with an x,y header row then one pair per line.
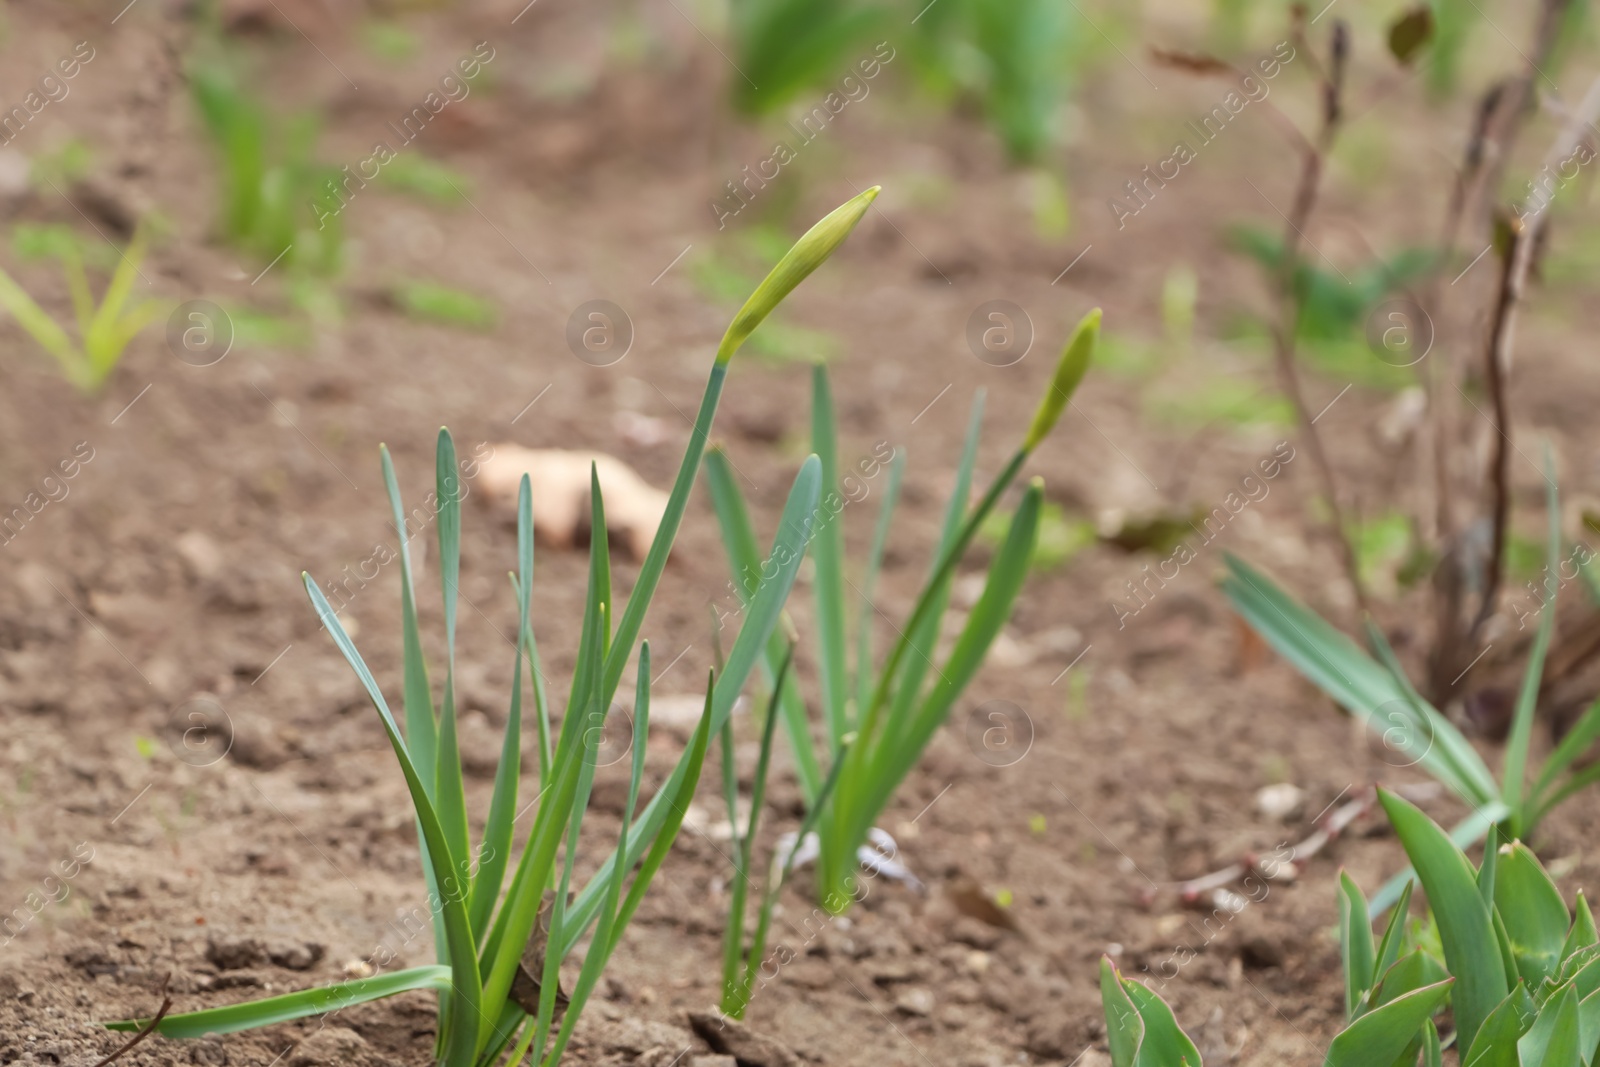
x,y
1496,1043
291,1006
1165,1044
1412,971
1382,1034
1555,1038
1355,946
1124,1026
1534,914
1464,834
1466,929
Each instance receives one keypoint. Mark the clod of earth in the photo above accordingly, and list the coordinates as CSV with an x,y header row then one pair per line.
x,y
560,480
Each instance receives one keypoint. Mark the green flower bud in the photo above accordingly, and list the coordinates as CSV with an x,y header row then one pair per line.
x,y
1074,364
817,244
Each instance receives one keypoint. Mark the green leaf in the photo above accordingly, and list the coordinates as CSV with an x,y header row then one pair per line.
x,y
1124,1025
1555,1038
869,581
1355,946
1334,663
465,989
450,794
1164,1045
1466,929
760,618
1576,742
1070,369
827,552
1394,934
1496,1043
1535,916
1517,745
1432,1053
744,562
1582,935
291,1006
1382,1034
1410,972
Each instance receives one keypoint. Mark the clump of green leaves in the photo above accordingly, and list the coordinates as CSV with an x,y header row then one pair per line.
x,y
104,327
795,45
1521,973
1378,692
270,181
878,719
502,930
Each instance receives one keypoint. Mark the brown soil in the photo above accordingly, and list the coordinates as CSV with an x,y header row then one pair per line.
x,y
166,583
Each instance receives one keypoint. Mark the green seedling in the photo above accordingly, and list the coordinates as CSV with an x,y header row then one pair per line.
x,y
1376,690
878,720
428,179
431,302
1520,972
104,329
278,204
502,930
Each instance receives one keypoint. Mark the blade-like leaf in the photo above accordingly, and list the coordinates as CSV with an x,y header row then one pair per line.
x,y
869,580
450,793
1577,741
1382,1034
744,560
1334,663
1496,1043
1164,1045
827,552
1466,929
1582,935
1535,916
465,989
1124,1026
1394,934
1555,1038
291,1006
1516,765
1356,949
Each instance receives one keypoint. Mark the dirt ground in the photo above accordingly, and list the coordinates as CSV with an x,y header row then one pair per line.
x,y
161,594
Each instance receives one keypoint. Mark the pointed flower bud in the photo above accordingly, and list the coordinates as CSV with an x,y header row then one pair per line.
x,y
1074,363
808,253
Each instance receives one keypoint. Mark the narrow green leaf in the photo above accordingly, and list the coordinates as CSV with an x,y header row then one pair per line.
x,y
1394,934
1124,1025
1582,935
1577,741
465,990
1516,764
1555,1038
869,580
1356,949
760,618
827,552
1432,1053
1466,929
1334,663
1382,1034
744,561
291,1006
1535,916
450,791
